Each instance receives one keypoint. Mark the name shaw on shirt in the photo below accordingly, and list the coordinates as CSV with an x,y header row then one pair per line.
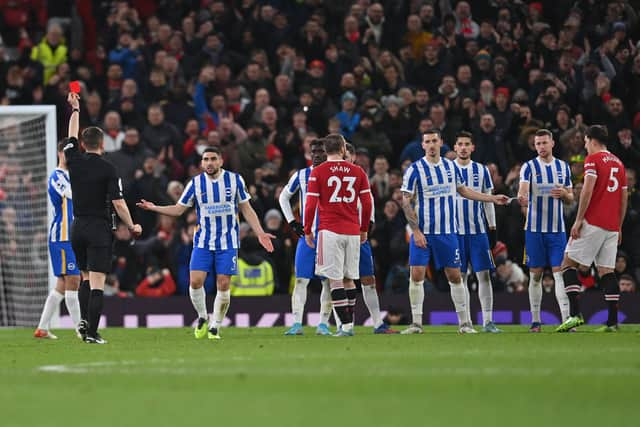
x,y
340,168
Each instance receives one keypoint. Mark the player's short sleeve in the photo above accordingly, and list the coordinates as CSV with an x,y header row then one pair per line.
x,y
460,182
623,178
243,193
525,172
115,190
365,187
590,166
188,195
567,176
409,180
488,183
61,184
294,183
313,186
71,149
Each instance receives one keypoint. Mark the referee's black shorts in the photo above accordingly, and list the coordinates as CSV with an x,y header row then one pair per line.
x,y
92,243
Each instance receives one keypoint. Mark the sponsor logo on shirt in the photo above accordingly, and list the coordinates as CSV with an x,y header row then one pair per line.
x,y
218,209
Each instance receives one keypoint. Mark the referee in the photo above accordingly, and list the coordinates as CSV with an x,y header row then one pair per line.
x,y
95,185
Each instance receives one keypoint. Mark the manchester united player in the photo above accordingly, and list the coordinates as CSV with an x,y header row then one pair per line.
x,y
595,234
334,189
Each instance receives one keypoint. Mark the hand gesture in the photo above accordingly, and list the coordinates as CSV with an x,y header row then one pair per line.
x,y
523,200
363,237
575,230
265,241
558,192
309,239
419,239
136,230
146,205
500,199
74,100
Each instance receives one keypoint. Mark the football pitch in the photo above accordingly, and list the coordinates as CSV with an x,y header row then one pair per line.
x,y
258,377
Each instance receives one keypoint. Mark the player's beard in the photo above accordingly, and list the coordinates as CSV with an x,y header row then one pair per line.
x,y
212,174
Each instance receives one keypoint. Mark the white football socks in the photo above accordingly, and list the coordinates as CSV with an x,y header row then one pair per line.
x,y
467,296
459,301
416,298
299,299
53,301
535,297
561,295
326,306
220,307
370,296
73,305
199,301
485,295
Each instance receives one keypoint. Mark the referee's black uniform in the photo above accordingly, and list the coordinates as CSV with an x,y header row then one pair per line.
x,y
95,185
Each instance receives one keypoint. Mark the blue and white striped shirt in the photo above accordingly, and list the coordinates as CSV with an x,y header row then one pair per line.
x,y
471,214
435,186
299,181
60,196
545,214
216,204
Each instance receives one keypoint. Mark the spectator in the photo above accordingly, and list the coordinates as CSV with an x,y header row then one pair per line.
x,y
113,134
126,54
509,276
159,136
367,136
129,158
490,147
50,52
157,283
627,284
348,117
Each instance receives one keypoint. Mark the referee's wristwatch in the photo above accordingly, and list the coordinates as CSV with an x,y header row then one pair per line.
x,y
73,110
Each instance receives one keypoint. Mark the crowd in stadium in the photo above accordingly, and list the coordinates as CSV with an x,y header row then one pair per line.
x,y
262,79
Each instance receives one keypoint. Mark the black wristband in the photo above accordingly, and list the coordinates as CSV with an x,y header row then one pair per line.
x,y
75,109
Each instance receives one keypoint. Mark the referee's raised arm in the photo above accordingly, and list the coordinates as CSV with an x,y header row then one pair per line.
x,y
96,186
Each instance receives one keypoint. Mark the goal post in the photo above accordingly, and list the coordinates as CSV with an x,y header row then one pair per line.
x,y
28,140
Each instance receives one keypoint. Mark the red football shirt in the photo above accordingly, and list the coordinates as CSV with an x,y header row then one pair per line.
x,y
606,202
334,188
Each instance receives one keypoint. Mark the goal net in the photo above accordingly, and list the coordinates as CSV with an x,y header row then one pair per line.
x,y
27,156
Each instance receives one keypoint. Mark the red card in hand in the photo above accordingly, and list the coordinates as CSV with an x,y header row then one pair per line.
x,y
74,86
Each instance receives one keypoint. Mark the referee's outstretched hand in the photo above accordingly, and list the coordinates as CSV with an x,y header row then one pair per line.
x,y
146,205
265,241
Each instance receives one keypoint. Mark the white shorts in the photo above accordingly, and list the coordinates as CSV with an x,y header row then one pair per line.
x,y
338,255
595,244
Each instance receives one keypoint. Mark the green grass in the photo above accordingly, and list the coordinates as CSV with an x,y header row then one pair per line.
x,y
257,377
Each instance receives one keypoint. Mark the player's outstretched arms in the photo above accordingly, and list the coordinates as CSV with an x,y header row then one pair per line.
x,y
250,216
468,193
410,214
171,210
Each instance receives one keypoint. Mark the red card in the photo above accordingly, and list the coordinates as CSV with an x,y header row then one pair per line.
x,y
74,86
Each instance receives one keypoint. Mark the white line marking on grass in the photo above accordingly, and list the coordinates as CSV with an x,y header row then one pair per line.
x,y
179,367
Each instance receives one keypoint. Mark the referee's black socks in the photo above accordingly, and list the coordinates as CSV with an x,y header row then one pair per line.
x,y
83,298
95,310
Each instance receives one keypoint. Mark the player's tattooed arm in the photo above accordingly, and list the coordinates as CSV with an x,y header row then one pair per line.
x,y
409,212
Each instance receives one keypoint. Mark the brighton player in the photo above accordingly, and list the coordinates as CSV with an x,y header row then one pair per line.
x,y
63,259
305,257
334,189
473,237
434,181
596,232
218,196
367,271
545,183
